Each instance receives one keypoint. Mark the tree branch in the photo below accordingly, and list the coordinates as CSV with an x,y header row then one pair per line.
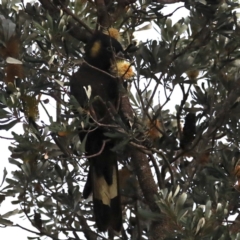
x,y
142,169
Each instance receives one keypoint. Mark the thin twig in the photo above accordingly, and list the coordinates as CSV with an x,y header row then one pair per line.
x,y
158,173
69,12
101,150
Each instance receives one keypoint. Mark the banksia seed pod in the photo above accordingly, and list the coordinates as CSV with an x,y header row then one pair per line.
x,y
11,48
63,133
192,74
10,52
153,129
13,71
30,104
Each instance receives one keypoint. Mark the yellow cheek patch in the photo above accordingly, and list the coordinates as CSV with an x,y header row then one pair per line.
x,y
95,49
114,33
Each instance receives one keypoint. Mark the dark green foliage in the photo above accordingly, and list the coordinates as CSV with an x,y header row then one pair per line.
x,y
198,185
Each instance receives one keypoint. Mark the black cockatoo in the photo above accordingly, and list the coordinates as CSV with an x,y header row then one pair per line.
x,y
94,77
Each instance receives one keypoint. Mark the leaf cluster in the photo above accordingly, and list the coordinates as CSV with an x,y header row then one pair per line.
x,y
198,185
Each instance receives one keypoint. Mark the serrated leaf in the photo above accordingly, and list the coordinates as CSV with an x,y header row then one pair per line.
x,y
47,202
180,202
176,191
50,61
219,207
49,21
208,209
164,193
9,125
2,198
82,146
4,175
169,23
42,166
11,181
26,169
80,6
59,82
3,99
5,222
59,171
114,135
169,198
137,97
133,99
182,29
16,1
4,113
14,162
7,25
11,60
39,27
183,215
15,202
77,224
148,215
200,224
11,213
120,145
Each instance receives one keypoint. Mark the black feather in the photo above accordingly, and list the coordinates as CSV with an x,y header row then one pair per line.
x,y
189,130
102,179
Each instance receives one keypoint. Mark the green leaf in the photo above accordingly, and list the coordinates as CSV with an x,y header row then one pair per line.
x,y
11,213
9,125
148,215
2,198
200,225
4,113
180,202
61,83
82,146
14,162
208,210
176,191
5,222
26,169
49,21
39,27
4,175
120,146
